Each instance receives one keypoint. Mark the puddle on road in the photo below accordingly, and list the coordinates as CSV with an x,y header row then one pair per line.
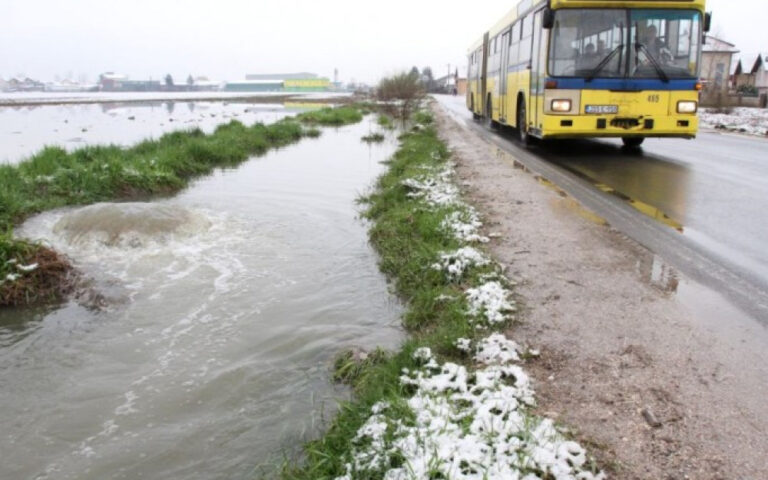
x,y
709,309
565,200
211,356
656,188
652,268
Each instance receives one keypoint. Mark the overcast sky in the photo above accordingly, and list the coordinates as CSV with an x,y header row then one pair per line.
x,y
225,39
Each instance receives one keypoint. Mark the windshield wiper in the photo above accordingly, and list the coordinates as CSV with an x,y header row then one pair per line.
x,y
641,46
603,63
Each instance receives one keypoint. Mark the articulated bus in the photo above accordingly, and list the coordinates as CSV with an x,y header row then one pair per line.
x,y
591,68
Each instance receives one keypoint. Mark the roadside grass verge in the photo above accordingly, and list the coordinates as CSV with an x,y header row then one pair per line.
x,y
55,178
450,404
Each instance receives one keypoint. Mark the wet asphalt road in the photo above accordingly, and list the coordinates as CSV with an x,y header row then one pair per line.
x,y
700,204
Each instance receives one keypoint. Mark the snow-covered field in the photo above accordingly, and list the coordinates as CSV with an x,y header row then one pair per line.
x,y
47,98
753,121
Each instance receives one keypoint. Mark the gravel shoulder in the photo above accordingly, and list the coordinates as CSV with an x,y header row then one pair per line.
x,y
660,390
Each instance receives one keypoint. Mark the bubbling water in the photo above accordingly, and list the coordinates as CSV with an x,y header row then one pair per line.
x,y
129,224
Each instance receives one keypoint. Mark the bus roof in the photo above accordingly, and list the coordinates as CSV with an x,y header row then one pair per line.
x,y
682,4
476,44
505,21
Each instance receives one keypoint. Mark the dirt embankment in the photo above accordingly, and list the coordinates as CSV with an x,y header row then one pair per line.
x,y
660,392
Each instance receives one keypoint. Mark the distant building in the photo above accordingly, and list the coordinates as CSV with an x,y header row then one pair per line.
x,y
307,85
203,84
141,86
281,76
757,78
70,86
116,82
462,86
254,86
716,63
24,85
110,81
280,82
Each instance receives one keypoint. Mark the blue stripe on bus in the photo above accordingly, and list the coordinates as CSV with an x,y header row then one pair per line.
x,y
624,84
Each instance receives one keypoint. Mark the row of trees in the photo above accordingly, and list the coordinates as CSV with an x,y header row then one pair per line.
x,y
169,80
427,79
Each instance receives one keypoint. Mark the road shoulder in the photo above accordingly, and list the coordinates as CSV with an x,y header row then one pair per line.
x,y
623,364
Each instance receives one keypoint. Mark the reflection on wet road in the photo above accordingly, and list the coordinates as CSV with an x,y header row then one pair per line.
x,y
711,189
657,188
706,196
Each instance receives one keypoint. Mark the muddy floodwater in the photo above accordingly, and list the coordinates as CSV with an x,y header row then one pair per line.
x,y
220,312
26,129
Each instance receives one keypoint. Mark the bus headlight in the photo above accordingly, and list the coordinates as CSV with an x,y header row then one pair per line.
x,y
687,106
561,105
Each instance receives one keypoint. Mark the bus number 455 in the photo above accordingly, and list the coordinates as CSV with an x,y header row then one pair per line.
x,y
654,98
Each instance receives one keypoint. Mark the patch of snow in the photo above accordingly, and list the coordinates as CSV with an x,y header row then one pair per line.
x,y
465,226
456,263
492,301
27,268
467,426
464,344
434,187
753,121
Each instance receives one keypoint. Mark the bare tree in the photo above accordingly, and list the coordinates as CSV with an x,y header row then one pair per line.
x,y
403,91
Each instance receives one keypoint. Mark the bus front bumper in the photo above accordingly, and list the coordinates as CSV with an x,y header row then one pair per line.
x,y
595,126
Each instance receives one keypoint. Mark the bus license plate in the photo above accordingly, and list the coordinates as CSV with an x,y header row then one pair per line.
x,y
602,109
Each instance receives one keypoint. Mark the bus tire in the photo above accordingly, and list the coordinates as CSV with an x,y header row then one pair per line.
x,y
632,142
475,116
492,124
522,124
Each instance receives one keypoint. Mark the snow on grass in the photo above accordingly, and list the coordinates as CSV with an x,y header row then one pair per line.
x,y
753,121
465,225
434,187
456,263
491,301
466,425
27,268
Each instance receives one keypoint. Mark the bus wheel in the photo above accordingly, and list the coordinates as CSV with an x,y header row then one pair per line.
x,y
475,116
489,116
632,142
522,127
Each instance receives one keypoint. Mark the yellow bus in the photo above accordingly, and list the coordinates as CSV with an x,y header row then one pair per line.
x,y
591,68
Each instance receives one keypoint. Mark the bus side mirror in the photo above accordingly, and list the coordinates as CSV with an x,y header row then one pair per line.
x,y
549,19
707,21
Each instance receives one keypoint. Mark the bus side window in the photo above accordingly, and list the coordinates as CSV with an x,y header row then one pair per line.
x,y
525,43
514,47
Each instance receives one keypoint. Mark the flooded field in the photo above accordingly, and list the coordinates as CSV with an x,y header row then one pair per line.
x,y
26,129
221,310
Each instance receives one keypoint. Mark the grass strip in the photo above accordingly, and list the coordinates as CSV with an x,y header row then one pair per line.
x,y
456,297
55,178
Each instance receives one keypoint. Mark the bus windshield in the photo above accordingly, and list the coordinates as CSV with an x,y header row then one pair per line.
x,y
625,43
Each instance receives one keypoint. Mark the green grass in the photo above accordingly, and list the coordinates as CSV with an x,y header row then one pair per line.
x,y
385,121
373,138
408,238
54,178
333,116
